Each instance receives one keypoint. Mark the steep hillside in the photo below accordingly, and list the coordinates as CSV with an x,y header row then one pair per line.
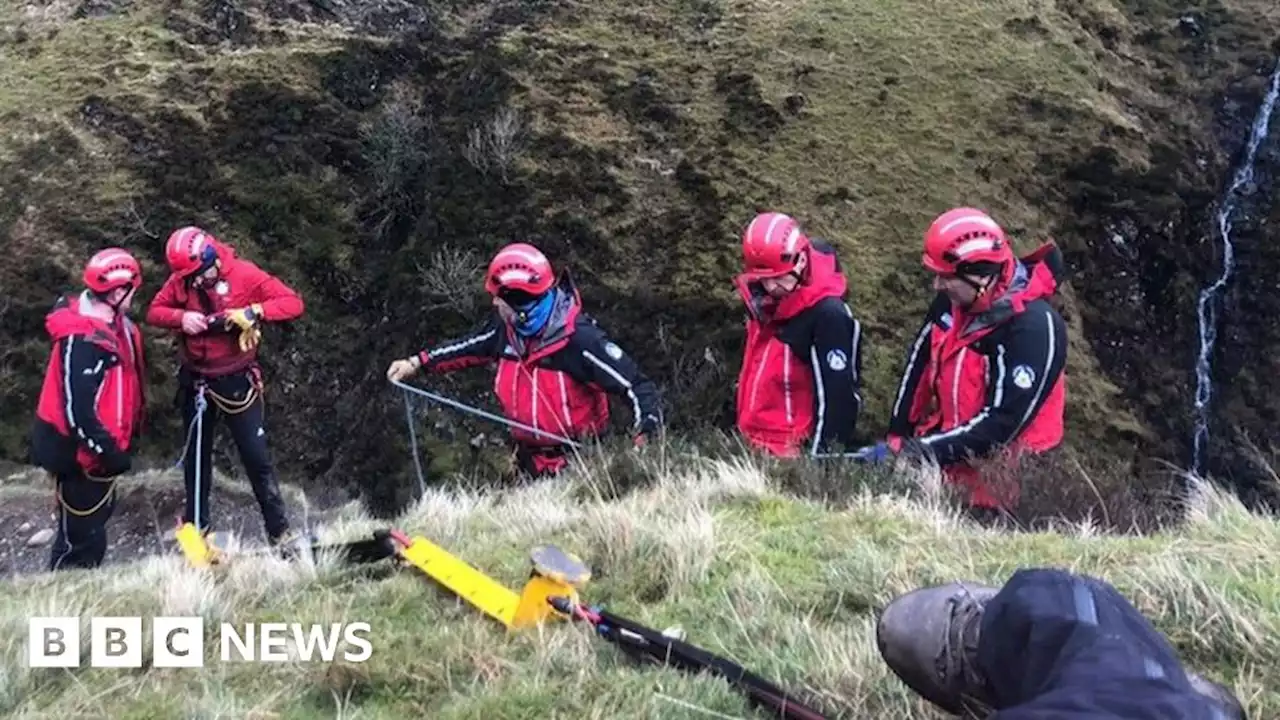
x,y
375,153
789,587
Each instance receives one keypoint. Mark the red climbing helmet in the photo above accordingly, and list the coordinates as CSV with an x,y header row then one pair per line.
x,y
519,266
190,250
772,245
965,238
110,269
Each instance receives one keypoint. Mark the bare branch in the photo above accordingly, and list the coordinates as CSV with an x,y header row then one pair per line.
x,y
496,145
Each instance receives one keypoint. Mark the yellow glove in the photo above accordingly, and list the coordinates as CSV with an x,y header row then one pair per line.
x,y
246,318
250,338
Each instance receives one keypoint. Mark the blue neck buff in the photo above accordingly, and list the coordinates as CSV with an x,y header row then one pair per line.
x,y
536,315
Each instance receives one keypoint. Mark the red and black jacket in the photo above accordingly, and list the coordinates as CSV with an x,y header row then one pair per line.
x,y
240,283
559,381
977,384
92,402
802,363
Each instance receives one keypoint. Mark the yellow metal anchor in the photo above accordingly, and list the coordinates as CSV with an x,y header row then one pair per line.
x,y
200,553
554,573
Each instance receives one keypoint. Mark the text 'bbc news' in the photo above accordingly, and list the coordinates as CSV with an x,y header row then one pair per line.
x,y
178,642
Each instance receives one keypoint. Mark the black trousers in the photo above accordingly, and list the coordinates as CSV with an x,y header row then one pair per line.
x,y
1059,645
225,403
85,505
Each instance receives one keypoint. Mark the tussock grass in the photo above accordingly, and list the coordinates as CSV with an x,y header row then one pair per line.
x,y
715,545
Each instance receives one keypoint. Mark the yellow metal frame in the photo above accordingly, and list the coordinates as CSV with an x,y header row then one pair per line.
x,y
516,611
195,546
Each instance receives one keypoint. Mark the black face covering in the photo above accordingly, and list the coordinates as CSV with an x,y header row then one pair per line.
x,y
984,270
518,299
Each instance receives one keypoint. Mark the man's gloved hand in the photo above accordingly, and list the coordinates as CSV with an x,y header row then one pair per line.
x,y
881,452
250,339
245,318
401,369
875,454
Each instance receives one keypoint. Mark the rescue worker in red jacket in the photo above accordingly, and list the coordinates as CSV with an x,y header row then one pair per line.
x,y
985,376
217,303
556,366
799,386
92,404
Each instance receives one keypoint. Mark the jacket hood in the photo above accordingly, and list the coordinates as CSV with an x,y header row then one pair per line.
x,y
67,319
1035,277
226,251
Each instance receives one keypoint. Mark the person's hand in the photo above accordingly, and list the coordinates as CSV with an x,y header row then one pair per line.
x,y
245,318
250,339
401,369
649,427
194,323
875,454
114,463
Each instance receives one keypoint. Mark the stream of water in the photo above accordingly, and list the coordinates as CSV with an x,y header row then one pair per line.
x,y
1210,297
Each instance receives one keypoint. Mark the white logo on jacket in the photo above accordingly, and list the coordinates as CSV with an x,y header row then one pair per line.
x,y
1024,376
837,360
613,351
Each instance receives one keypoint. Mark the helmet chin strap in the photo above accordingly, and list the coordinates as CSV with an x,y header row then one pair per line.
x,y
981,288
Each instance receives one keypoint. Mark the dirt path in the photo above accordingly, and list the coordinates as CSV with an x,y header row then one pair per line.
x,y
148,506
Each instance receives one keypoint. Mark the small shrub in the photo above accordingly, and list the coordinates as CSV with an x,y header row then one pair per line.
x,y
395,148
1067,486
495,145
450,279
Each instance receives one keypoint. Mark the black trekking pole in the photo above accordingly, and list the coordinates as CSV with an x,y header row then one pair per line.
x,y
648,644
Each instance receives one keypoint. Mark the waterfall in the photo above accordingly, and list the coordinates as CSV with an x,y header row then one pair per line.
x,y
1207,307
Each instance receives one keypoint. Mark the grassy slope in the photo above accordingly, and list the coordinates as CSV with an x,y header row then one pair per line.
x,y
789,587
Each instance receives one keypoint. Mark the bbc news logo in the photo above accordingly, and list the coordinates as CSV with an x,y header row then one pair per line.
x,y
178,642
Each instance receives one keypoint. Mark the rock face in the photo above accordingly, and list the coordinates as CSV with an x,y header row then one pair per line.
x,y
375,153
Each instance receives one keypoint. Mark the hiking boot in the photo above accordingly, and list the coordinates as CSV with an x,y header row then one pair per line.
x,y
1219,695
929,638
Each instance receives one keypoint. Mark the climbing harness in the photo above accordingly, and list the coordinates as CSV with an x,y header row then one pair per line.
x,y
108,495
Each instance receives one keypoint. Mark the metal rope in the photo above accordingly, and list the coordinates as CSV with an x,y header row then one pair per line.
x,y
487,415
413,440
